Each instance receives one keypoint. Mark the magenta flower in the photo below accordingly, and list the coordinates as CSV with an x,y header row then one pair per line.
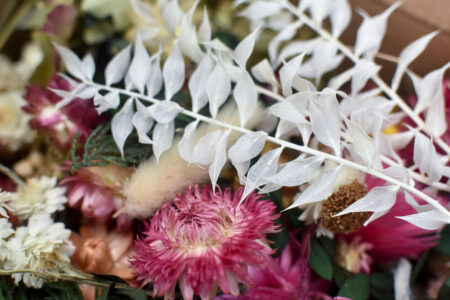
x,y
60,124
204,241
96,191
388,237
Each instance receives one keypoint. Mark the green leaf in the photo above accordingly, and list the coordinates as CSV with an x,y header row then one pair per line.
x,y
419,265
356,288
382,286
444,292
444,241
340,275
329,245
319,261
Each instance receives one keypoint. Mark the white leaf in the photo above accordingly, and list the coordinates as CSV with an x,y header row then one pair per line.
x,y
171,14
402,276
71,61
297,172
263,72
291,108
426,158
247,146
205,148
265,167
197,87
284,35
173,72
106,102
296,48
319,190
339,80
88,66
371,33
260,9
340,15
363,71
138,72
218,87
155,80
363,145
143,122
204,33
378,200
408,55
325,120
85,91
162,138
164,111
219,160
122,125
241,169
429,220
288,72
186,144
188,42
245,47
117,67
246,97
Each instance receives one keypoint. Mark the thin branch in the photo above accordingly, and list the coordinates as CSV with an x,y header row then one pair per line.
x,y
12,175
376,79
286,144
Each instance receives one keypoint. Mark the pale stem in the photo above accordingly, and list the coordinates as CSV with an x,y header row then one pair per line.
x,y
13,176
376,79
289,145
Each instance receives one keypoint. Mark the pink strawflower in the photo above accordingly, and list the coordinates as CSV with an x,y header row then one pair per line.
x,y
287,277
390,237
61,124
96,191
204,241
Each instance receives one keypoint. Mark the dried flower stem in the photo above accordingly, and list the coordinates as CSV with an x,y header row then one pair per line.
x,y
286,144
13,176
376,79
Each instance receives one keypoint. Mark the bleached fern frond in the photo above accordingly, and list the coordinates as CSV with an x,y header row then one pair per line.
x,y
334,126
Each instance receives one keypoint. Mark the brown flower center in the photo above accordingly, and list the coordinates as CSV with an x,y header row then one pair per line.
x,y
337,202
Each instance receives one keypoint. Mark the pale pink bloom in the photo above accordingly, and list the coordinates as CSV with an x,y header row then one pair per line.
x,y
96,191
61,21
204,241
352,255
287,277
61,124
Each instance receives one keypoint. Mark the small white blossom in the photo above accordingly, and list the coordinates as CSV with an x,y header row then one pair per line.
x,y
5,232
39,195
4,197
41,245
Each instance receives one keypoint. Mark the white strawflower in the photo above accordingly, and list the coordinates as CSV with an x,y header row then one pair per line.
x,y
40,246
5,232
4,198
39,195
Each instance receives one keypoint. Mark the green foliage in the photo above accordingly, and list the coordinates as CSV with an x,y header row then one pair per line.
x,y
113,293
444,241
419,265
444,292
61,290
101,150
319,261
356,288
382,286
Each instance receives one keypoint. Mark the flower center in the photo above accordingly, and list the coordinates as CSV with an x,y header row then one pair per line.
x,y
337,202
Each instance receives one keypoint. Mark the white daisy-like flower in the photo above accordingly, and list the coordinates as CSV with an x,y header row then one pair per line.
x,y
6,231
4,198
42,245
39,195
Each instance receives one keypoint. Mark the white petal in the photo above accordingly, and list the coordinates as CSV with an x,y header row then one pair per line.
x,y
71,61
204,33
186,144
219,160
138,72
122,125
297,172
106,102
284,35
379,200
402,276
245,48
288,72
197,87
363,145
429,220
204,149
363,71
188,42
263,72
143,122
88,66
218,87
265,167
260,9
426,158
247,146
246,97
155,79
162,138
171,14
164,111
319,190
408,55
173,72
340,15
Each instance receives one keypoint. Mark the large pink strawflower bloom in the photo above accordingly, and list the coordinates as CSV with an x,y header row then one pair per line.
x,y
204,241
96,191
61,124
